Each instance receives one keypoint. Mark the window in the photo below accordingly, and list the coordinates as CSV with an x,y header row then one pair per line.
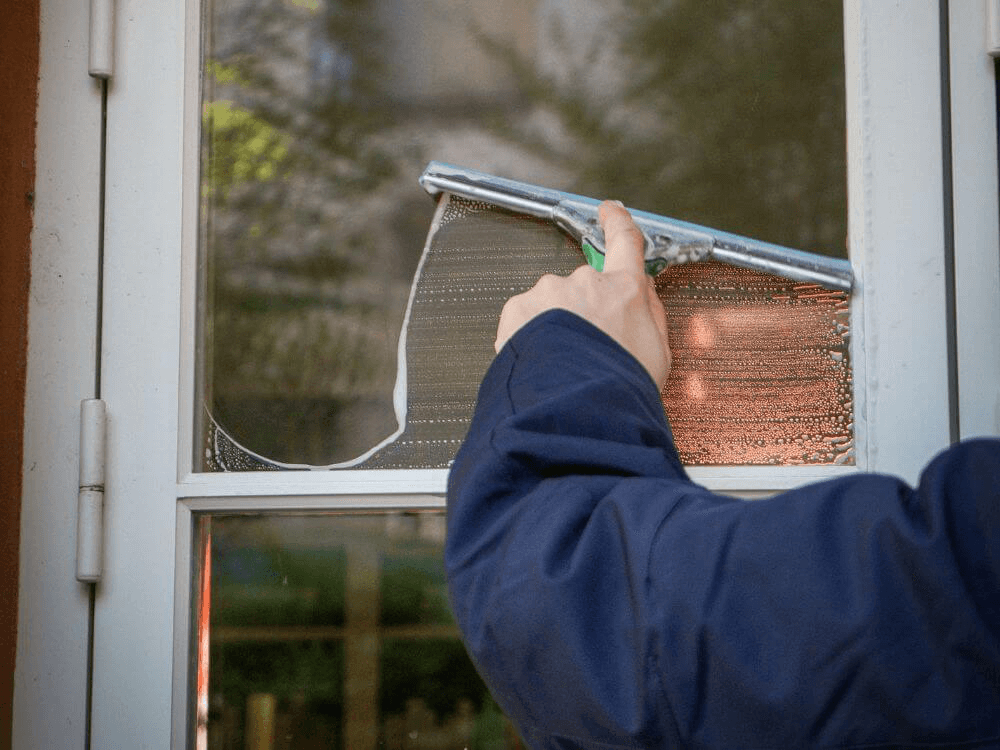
x,y
345,325
168,371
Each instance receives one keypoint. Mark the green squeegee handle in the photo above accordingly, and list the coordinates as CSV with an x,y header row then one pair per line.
x,y
595,258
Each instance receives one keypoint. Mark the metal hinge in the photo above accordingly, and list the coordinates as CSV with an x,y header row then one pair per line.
x,y
90,502
102,39
993,27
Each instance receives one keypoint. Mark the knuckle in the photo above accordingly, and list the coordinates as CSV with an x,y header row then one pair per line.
x,y
633,231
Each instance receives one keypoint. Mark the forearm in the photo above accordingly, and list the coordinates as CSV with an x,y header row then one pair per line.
x,y
566,423
560,399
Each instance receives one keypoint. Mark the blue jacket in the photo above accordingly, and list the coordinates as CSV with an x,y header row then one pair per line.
x,y
610,602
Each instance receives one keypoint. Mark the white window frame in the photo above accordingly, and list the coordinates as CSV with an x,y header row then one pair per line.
x,y
976,221
906,364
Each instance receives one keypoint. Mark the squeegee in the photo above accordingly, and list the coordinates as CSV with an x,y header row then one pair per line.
x,y
668,241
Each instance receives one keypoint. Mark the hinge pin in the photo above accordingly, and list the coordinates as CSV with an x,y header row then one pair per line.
x,y
102,38
90,502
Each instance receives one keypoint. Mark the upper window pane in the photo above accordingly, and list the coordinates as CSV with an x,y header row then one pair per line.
x,y
318,116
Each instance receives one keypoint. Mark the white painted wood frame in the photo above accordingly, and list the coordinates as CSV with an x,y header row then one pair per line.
x,y
50,676
976,218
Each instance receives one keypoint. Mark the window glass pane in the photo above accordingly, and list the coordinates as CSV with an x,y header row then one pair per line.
x,y
334,631
318,116
761,370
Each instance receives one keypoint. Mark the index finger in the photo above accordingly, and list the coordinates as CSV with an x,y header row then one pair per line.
x,y
623,241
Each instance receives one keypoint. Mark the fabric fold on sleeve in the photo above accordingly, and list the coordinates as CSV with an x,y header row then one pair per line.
x,y
610,602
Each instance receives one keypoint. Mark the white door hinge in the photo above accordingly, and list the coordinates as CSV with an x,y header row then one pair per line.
x,y
102,38
90,502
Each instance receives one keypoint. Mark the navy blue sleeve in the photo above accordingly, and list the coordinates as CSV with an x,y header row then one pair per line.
x,y
610,602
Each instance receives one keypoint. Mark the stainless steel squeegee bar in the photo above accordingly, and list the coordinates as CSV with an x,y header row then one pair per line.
x,y
517,196
522,197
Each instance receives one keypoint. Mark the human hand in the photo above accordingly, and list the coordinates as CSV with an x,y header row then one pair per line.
x,y
620,300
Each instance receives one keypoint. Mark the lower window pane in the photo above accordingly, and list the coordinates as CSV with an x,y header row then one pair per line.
x,y
333,630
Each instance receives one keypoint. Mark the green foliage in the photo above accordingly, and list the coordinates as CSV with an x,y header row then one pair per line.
x,y
728,113
413,591
749,101
285,670
244,148
255,586
294,106
439,671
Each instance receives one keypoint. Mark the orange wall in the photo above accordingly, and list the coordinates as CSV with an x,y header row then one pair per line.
x,y
19,39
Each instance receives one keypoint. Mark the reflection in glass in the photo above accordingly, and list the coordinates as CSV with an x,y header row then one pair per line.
x,y
761,368
334,631
318,116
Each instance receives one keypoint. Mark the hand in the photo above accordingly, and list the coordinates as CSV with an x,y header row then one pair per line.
x,y
620,300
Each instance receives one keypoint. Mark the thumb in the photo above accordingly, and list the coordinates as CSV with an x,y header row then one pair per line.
x,y
624,244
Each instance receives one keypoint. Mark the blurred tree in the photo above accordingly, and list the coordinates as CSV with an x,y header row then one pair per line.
x,y
728,113
751,122
300,331
305,79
